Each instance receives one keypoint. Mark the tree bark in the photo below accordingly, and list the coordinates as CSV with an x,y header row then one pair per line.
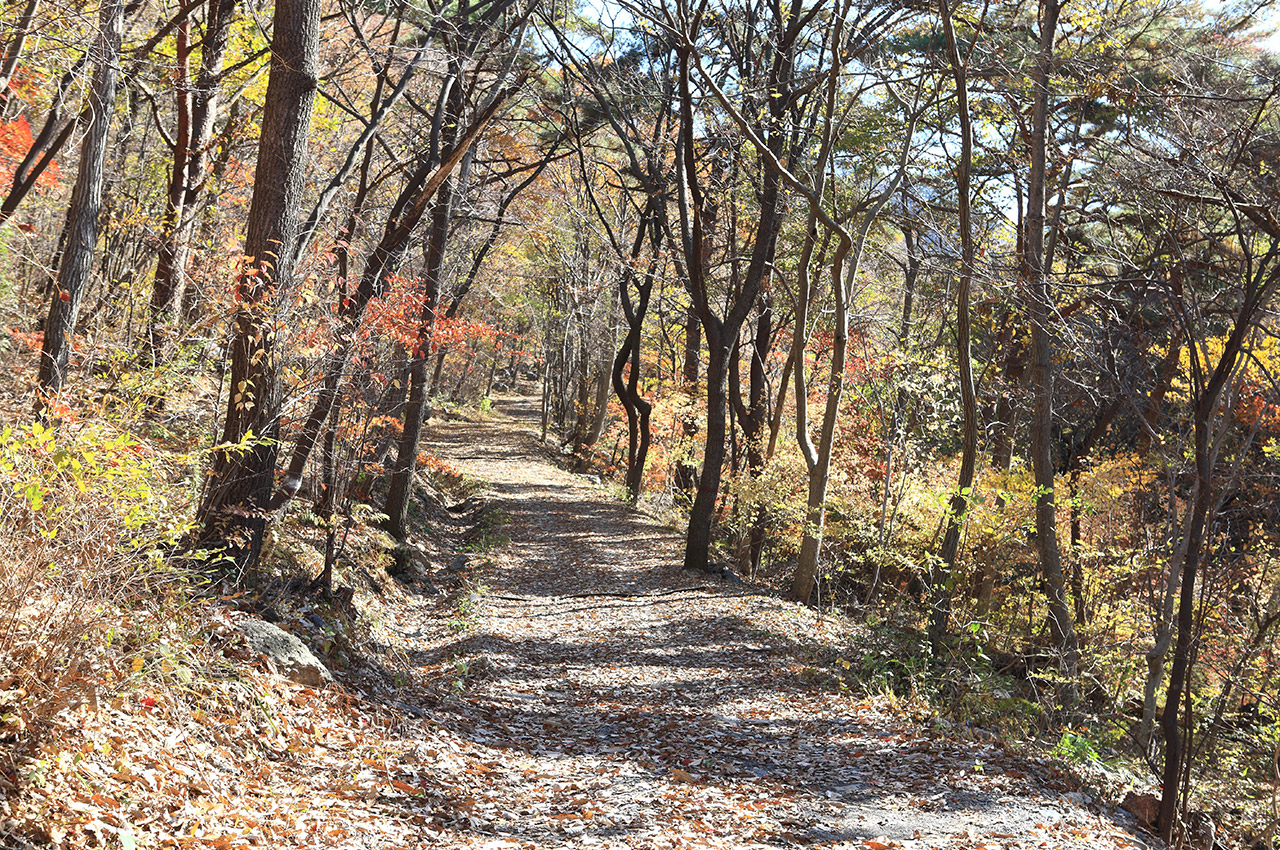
x,y
753,416
600,405
86,204
636,407
168,275
1039,312
234,510
197,109
941,580
692,349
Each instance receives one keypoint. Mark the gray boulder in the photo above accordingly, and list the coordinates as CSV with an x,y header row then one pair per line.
x,y
288,654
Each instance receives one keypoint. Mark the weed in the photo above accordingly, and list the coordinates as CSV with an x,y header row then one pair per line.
x,y
1075,747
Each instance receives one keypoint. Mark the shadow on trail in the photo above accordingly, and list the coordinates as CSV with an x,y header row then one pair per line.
x,y
596,655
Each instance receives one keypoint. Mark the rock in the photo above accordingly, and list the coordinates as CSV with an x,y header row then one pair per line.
x,y
594,479
404,556
1143,805
482,666
465,506
730,576
288,654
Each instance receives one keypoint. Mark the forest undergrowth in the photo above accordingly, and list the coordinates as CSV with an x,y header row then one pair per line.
x,y
706,422
137,716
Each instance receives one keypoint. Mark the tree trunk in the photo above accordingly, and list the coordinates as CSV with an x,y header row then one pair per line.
x,y
636,407
197,109
1205,409
844,271
13,50
695,217
1006,411
754,415
582,373
600,406
233,511
805,579
1171,779
400,493
1039,312
493,369
941,580
86,204
702,513
692,349
1155,656
172,254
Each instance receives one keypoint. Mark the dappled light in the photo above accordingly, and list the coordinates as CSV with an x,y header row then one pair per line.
x,y
639,424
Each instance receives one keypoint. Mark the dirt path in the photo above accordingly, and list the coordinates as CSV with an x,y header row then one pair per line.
x,y
606,698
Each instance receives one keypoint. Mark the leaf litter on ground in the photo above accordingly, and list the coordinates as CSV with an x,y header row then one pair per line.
x,y
593,695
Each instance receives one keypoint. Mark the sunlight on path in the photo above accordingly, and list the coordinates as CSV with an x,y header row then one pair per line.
x,y
627,703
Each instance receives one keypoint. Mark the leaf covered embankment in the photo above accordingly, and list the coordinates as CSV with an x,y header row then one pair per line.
x,y
133,713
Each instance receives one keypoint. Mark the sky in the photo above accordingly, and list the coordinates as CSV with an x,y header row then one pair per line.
x,y
608,9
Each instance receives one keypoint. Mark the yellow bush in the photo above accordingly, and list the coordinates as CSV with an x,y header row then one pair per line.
x,y
82,534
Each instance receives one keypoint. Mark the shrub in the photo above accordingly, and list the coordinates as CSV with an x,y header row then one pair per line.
x,y
82,536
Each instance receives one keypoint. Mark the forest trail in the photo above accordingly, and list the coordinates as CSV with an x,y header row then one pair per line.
x,y
607,698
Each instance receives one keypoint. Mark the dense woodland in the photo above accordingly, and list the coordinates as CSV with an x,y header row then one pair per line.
x,y
957,319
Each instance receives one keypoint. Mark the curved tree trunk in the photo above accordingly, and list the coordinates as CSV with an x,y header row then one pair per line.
x,y
636,407
754,415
